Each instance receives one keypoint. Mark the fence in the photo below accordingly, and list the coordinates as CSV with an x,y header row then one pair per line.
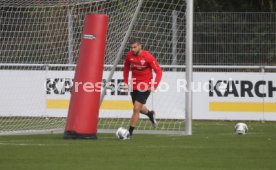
x,y
235,39
220,39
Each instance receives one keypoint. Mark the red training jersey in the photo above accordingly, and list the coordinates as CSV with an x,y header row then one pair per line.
x,y
141,67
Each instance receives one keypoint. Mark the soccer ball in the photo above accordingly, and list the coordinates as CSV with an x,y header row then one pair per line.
x,y
241,128
122,133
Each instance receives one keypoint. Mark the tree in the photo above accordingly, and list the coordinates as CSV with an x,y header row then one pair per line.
x,y
234,6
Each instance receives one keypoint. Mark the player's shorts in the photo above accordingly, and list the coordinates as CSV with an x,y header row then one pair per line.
x,y
140,96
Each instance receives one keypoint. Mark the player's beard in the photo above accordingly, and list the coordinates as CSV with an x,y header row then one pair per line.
x,y
136,53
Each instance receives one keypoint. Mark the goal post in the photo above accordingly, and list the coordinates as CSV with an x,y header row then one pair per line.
x,y
39,49
189,66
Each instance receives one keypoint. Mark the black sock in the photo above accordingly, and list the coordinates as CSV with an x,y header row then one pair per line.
x,y
131,130
150,115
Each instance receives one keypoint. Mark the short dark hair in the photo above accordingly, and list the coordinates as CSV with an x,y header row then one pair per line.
x,y
134,41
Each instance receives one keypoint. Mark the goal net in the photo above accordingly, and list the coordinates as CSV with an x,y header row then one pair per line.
x,y
39,42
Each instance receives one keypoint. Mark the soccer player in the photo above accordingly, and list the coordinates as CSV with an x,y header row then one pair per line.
x,y
141,63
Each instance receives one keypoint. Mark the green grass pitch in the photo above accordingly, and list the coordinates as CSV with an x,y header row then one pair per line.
x,y
213,146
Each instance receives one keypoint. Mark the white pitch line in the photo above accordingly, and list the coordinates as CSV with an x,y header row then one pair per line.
x,y
29,144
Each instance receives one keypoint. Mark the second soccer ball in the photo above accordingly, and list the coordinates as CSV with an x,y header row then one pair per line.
x,y
241,128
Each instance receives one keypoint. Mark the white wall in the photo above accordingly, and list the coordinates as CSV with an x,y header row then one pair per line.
x,y
24,93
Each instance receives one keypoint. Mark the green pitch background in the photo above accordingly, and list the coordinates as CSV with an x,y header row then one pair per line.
x,y
213,146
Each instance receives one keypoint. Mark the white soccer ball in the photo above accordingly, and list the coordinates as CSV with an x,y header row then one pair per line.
x,y
241,128
122,133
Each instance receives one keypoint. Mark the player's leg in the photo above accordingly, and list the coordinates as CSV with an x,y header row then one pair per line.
x,y
134,95
143,96
136,113
135,116
144,110
139,99
150,114
139,107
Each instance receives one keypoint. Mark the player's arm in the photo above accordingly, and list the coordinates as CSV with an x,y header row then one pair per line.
x,y
126,70
157,69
